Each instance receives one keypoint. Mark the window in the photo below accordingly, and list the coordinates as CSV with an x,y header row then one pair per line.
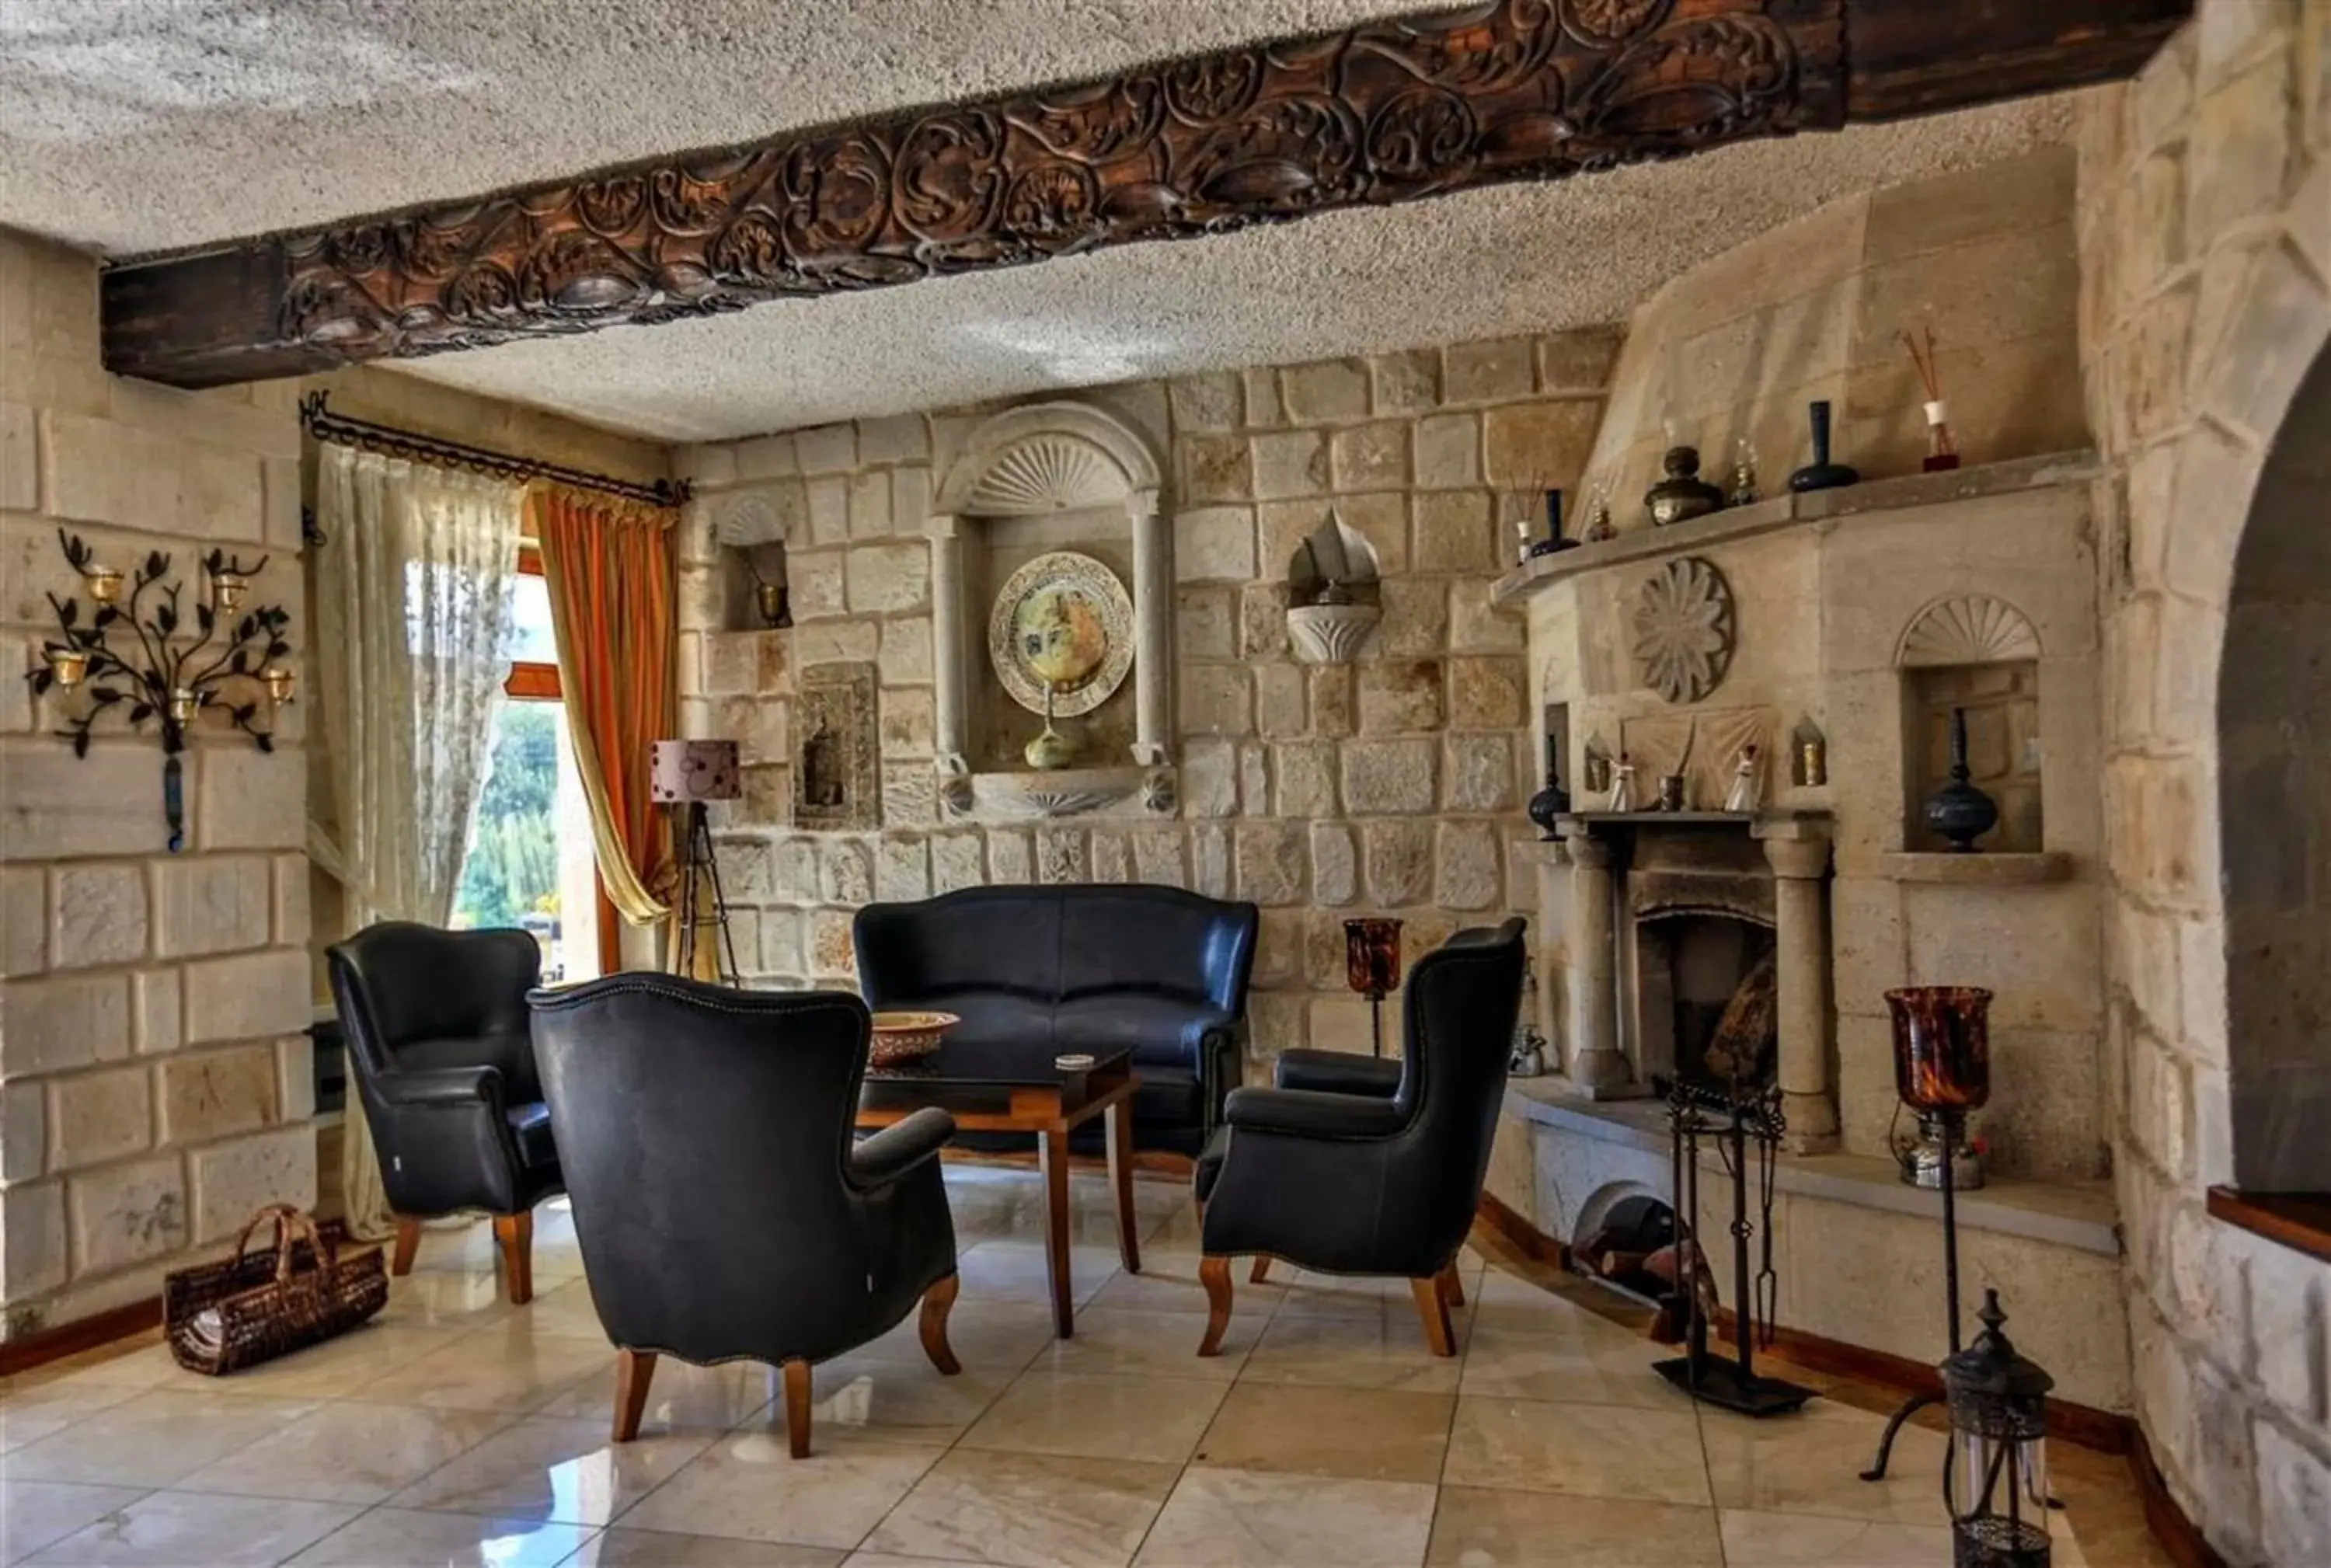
x,y
529,862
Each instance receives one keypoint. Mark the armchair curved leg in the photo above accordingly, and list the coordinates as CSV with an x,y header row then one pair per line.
x,y
1453,1285
1260,1273
937,1302
1214,1274
797,1401
514,1235
1432,1306
635,1369
408,1242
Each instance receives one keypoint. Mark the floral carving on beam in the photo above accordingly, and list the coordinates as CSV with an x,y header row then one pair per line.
x,y
1511,90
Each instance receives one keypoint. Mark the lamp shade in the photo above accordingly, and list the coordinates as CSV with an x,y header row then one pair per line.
x,y
680,771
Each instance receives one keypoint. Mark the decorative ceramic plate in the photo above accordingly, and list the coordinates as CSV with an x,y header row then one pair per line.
x,y
903,1036
1063,621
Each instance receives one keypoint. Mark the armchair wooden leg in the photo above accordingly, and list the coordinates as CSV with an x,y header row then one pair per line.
x,y
635,1369
514,1235
1214,1274
1452,1287
797,1385
1433,1308
1260,1273
408,1242
937,1302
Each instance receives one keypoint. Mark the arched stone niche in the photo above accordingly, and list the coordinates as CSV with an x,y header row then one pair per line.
x,y
1980,654
749,535
1041,460
2274,792
1334,594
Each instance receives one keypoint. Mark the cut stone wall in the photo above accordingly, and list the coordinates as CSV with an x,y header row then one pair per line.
x,y
155,1085
1392,784
2205,243
1740,345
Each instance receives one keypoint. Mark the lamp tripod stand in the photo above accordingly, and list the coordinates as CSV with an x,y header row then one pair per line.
x,y
699,875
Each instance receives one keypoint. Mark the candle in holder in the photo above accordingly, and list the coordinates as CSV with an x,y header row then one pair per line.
x,y
1942,1047
1371,964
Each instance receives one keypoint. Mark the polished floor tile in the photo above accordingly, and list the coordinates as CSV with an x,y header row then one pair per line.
x,y
1246,1519
153,1439
1588,1450
458,1430
37,1514
407,1538
348,1453
177,1529
747,1486
569,1472
1357,1434
1157,1419
1476,1528
1027,1511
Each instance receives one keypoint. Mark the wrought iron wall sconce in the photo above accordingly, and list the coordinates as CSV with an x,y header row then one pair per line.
x,y
136,656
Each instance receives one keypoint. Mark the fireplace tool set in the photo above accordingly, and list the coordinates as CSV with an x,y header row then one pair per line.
x,y
1734,1118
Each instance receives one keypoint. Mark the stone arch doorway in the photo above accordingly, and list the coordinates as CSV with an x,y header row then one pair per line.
x,y
2274,797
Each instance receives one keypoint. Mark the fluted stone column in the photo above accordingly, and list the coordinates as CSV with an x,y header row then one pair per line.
x,y
1596,1063
1153,631
950,720
1799,852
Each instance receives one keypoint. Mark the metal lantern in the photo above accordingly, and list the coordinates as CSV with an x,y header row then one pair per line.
x,y
1995,1473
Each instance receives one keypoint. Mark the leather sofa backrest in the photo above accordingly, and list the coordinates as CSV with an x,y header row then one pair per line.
x,y
1458,1019
399,984
704,1132
1056,944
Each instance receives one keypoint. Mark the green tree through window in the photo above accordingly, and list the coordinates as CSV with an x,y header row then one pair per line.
x,y
512,867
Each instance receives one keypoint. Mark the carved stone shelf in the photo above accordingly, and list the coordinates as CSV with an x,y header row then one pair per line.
x,y
1978,869
1830,508
1330,633
1078,792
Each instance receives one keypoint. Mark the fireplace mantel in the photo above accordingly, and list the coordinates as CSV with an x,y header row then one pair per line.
x,y
1782,824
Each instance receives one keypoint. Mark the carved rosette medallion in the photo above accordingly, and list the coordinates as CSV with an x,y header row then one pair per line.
x,y
1684,630
1062,627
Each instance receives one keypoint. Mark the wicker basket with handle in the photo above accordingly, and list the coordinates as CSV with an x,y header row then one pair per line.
x,y
222,1316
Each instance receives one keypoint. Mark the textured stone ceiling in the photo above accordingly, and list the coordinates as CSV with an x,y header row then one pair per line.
x,y
132,126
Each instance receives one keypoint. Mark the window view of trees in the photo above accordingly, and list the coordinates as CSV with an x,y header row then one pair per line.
x,y
511,875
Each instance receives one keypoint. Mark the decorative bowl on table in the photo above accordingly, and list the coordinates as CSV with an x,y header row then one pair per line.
x,y
902,1037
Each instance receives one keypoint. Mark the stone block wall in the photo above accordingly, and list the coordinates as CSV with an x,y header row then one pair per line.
x,y
1392,784
1812,309
154,1083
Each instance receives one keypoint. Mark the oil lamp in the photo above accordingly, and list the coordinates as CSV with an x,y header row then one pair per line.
x,y
1995,1471
1371,965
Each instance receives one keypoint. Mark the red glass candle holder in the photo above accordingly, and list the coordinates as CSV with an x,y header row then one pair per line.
x,y
1371,955
1942,1047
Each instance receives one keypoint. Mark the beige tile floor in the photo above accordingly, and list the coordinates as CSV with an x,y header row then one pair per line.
x,y
458,1430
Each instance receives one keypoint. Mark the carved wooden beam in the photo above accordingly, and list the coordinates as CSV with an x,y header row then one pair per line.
x,y
1511,89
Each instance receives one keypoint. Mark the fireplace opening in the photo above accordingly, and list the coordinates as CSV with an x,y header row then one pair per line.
x,y
1632,1250
1705,992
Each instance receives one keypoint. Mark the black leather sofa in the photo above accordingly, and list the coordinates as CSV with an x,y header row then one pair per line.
x,y
1082,968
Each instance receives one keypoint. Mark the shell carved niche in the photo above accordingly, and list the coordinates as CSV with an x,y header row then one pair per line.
x,y
1685,627
1047,474
1972,628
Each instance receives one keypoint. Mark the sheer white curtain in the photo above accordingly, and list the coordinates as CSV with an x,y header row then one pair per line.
x,y
413,641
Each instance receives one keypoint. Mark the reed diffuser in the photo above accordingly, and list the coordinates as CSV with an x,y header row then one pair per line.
x,y
1942,451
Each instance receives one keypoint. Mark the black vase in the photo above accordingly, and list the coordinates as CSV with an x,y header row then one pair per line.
x,y
1959,813
1553,800
1820,474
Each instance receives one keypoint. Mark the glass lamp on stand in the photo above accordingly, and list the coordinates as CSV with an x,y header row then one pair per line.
x,y
686,776
1371,965
1995,1472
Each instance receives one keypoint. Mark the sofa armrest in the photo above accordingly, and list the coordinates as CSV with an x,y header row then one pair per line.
x,y
444,1086
1337,1072
1309,1113
901,1146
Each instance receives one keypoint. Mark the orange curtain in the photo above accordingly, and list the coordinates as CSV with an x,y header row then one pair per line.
x,y
609,566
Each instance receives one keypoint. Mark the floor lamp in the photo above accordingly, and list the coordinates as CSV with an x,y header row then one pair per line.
x,y
686,775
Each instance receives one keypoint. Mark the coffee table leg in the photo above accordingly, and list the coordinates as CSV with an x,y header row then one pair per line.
x,y
1052,1153
1120,1177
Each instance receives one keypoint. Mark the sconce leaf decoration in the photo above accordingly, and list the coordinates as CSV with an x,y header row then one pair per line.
x,y
232,660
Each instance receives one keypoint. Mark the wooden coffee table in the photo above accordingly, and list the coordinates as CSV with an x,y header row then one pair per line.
x,y
1003,1089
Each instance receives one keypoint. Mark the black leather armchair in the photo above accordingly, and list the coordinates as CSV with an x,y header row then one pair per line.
x,y
1348,1178
439,1046
1111,966
724,1211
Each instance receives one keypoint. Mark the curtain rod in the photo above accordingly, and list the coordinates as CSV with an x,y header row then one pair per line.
x,y
390,442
